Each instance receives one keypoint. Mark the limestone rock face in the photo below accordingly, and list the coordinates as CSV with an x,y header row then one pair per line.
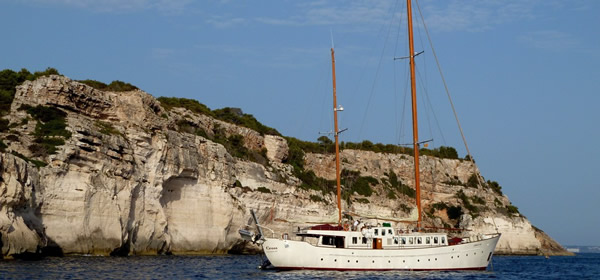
x,y
277,148
134,178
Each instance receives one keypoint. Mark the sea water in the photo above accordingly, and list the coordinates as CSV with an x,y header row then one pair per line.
x,y
582,266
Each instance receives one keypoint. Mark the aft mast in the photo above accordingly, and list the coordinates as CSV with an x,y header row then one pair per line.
x,y
413,88
337,147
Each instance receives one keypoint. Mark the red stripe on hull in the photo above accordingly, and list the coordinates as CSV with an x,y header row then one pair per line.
x,y
377,269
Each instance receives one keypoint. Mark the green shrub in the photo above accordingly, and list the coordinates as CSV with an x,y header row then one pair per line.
x,y
263,190
3,125
107,128
441,152
454,212
9,80
439,206
316,198
454,182
237,184
362,200
172,102
113,86
310,181
478,200
512,209
467,203
405,208
495,186
473,181
2,146
400,187
227,114
353,182
497,202
391,195
236,116
37,163
366,145
50,130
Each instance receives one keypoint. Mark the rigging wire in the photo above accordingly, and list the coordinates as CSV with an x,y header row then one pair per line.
x,y
398,126
426,93
318,89
478,176
444,82
377,71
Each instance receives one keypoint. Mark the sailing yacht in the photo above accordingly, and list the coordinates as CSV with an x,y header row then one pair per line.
x,y
381,247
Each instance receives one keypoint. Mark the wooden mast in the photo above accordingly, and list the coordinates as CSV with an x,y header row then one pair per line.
x,y
414,110
337,148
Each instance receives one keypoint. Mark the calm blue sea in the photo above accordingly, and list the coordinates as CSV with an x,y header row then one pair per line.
x,y
582,266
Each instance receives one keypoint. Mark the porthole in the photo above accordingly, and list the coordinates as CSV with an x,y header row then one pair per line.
x,y
404,261
348,260
335,260
373,261
436,259
389,261
428,260
321,259
418,260
467,255
356,261
452,257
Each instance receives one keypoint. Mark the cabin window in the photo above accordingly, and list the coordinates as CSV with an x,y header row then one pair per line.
x,y
443,239
354,240
419,240
396,240
328,240
410,240
403,240
364,240
383,232
339,242
390,232
435,240
376,232
427,240
389,241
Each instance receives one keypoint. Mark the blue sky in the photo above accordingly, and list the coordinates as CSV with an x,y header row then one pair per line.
x,y
524,76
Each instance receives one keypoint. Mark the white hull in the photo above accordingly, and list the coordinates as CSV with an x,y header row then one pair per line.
x,y
290,254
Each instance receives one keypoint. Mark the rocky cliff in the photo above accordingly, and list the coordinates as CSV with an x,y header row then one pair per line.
x,y
132,178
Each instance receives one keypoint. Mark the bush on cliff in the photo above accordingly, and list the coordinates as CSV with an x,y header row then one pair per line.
x,y
50,130
353,182
466,201
227,114
512,209
495,186
113,86
172,102
237,117
10,79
